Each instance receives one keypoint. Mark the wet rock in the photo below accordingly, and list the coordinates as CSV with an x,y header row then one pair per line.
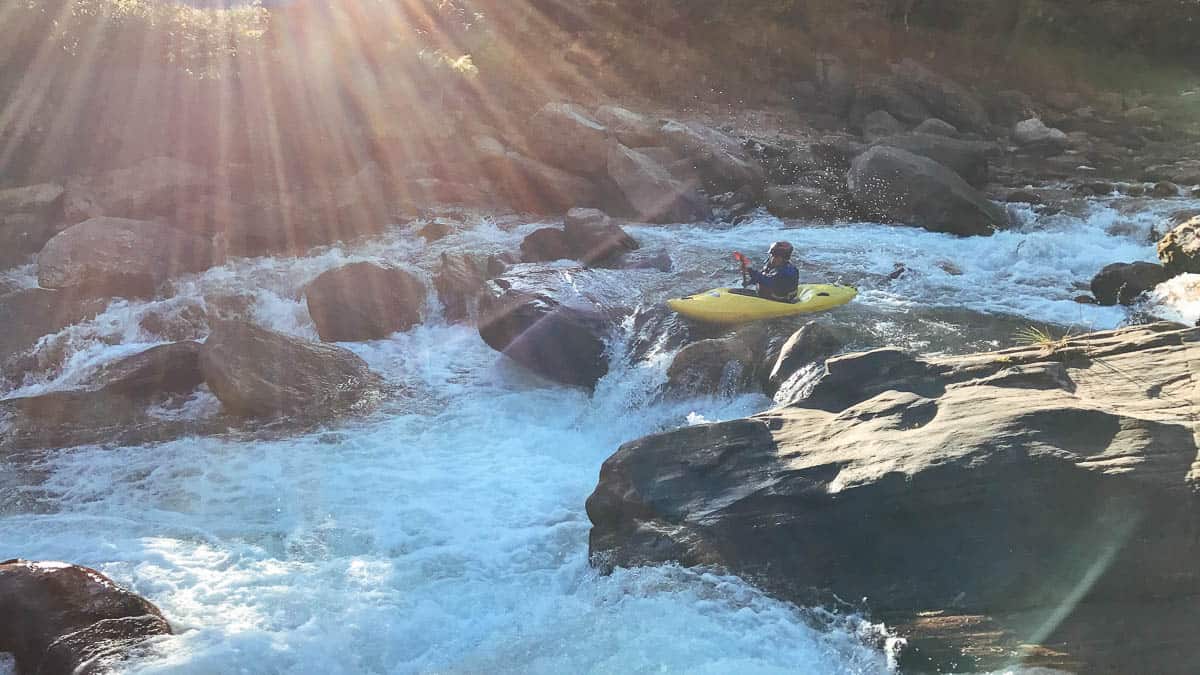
x,y
561,341
884,93
926,464
1023,197
29,217
1033,134
545,244
898,186
165,369
1124,282
969,159
364,301
1165,189
62,618
262,373
936,127
802,202
722,366
119,257
658,259
813,343
434,231
1132,189
29,314
944,97
879,124
594,238
632,129
565,136
656,196
460,280
1179,250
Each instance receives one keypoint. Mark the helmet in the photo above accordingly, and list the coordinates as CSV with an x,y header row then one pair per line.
x,y
782,248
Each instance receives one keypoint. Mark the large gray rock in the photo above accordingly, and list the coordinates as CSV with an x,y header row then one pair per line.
x,y
719,157
120,257
897,186
802,202
722,366
883,93
29,217
151,189
530,185
969,159
565,136
1033,134
60,618
944,97
632,129
364,301
1179,249
594,238
655,195
262,373
1124,282
984,488
558,338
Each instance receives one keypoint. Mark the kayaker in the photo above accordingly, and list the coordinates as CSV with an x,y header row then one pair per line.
x,y
779,277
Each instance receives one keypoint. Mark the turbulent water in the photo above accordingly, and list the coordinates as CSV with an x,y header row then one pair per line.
x,y
446,533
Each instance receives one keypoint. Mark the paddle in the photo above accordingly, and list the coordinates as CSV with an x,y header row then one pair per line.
x,y
745,262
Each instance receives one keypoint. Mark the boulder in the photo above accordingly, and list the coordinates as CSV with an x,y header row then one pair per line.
x,y
561,341
29,217
969,159
120,257
1164,189
151,189
719,157
364,301
721,366
983,486
655,195
1179,250
632,129
29,314
1124,282
565,136
530,185
884,93
545,244
186,319
802,202
937,127
813,343
944,97
1008,106
898,186
460,280
879,124
594,238
262,373
166,369
61,618
1033,134
65,419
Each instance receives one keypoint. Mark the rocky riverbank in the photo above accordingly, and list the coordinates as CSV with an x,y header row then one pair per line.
x,y
998,508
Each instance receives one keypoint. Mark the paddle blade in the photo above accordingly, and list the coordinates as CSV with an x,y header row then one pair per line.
x,y
740,258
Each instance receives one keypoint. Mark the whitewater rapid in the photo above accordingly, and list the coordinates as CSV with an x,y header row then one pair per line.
x,y
446,533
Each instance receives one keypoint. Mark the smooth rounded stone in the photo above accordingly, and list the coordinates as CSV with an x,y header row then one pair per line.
x,y
1034,134
720,158
721,366
176,322
632,129
1123,283
166,369
898,186
260,373
937,127
545,244
812,343
969,159
1132,189
879,124
1179,249
459,281
120,257
434,231
594,238
364,301
654,193
60,618
1164,189
564,135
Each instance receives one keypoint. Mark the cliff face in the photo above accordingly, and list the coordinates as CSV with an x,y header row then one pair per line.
x,y
979,504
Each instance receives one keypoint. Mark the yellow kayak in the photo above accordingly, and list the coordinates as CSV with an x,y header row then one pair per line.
x,y
726,305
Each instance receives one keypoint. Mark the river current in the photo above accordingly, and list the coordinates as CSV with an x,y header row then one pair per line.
x,y
446,532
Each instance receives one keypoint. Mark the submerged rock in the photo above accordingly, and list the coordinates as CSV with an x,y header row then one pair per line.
x,y
262,373
1014,486
1124,282
364,301
60,618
